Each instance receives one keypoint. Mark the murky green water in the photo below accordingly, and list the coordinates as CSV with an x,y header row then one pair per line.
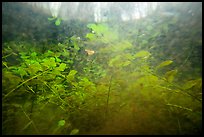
x,y
115,77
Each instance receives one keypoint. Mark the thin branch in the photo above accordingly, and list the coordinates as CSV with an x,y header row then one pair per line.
x,y
31,121
22,84
172,105
9,55
109,89
179,125
31,89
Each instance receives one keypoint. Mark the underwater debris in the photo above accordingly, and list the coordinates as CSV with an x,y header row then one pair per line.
x,y
89,52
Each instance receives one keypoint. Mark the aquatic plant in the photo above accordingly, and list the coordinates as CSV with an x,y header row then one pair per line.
x,y
61,89
57,20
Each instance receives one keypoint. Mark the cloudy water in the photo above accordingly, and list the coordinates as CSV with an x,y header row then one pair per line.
x,y
101,68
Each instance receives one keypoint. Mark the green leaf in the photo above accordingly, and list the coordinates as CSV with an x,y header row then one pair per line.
x,y
4,63
49,53
170,75
90,36
33,54
57,22
70,61
189,84
70,76
34,68
58,59
126,63
49,62
56,71
24,56
62,67
142,54
74,131
90,25
52,62
61,123
99,28
165,63
65,53
50,19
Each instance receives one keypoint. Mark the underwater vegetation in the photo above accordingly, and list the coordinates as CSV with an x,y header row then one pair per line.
x,y
143,80
57,20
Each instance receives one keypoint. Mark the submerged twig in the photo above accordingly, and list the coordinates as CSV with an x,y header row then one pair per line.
x,y
179,107
190,53
31,121
109,89
22,84
12,53
179,126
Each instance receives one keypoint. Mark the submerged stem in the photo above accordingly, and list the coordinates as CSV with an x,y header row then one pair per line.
x,y
109,89
31,121
22,84
179,126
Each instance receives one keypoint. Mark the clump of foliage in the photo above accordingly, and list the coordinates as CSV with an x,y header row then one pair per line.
x,y
151,81
44,79
57,20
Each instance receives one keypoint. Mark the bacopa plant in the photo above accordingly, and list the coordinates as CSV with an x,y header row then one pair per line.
x,y
65,90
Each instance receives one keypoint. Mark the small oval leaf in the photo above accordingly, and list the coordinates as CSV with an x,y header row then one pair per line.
x,y
61,123
90,36
170,75
57,22
191,83
142,54
74,131
62,67
164,63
